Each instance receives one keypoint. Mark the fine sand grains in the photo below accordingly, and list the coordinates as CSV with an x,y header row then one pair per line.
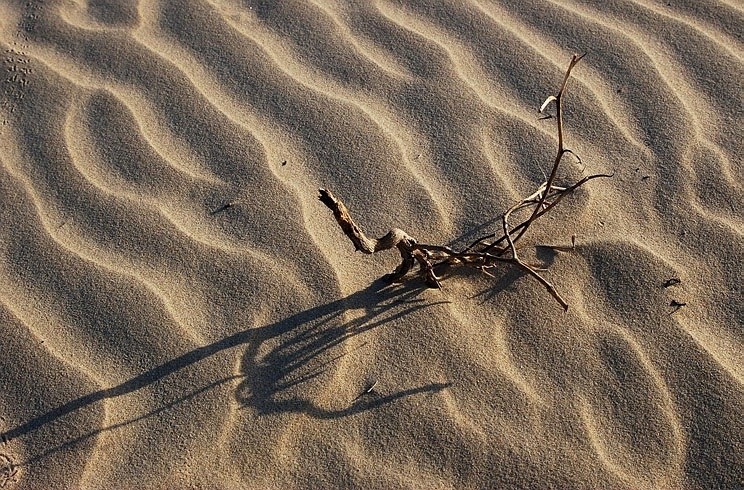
x,y
178,310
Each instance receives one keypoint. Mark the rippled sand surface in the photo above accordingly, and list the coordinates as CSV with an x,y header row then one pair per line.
x,y
178,310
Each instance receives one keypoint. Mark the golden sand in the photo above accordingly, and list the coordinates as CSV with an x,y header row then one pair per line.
x,y
178,310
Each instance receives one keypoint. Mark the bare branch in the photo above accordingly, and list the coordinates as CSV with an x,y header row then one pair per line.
x,y
480,254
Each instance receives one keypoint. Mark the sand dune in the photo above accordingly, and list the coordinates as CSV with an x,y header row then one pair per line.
x,y
180,311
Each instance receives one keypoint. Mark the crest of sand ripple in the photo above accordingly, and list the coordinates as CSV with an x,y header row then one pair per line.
x,y
152,341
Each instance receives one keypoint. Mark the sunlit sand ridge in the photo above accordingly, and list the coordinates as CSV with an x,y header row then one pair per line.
x,y
178,309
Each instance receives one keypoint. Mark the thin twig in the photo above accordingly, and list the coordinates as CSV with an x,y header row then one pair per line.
x,y
480,254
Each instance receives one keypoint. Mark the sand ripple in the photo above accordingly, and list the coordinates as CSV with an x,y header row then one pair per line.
x,y
178,309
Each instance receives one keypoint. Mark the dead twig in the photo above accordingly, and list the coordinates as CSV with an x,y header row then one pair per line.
x,y
225,206
677,305
369,389
487,251
671,282
561,248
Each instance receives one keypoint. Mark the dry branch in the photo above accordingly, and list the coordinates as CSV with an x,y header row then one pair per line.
x,y
481,254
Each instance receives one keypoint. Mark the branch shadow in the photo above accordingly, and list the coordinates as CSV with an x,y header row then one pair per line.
x,y
92,433
293,361
273,376
487,227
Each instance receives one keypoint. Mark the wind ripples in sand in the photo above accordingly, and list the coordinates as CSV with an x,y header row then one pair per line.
x,y
178,309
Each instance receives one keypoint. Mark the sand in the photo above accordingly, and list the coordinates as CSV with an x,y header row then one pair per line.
x,y
178,310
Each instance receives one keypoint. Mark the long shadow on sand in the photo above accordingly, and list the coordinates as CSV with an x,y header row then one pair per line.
x,y
300,341
272,375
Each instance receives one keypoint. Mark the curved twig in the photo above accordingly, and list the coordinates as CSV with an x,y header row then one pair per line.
x,y
480,254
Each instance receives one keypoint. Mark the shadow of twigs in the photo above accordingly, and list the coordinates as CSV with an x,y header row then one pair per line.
x,y
492,225
308,337
270,378
82,438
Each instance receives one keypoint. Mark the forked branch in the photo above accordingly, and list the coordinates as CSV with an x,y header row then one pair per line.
x,y
481,254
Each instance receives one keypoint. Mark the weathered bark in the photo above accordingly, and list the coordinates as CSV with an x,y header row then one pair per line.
x,y
405,244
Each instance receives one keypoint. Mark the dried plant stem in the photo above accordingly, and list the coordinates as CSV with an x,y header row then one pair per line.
x,y
406,245
481,254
